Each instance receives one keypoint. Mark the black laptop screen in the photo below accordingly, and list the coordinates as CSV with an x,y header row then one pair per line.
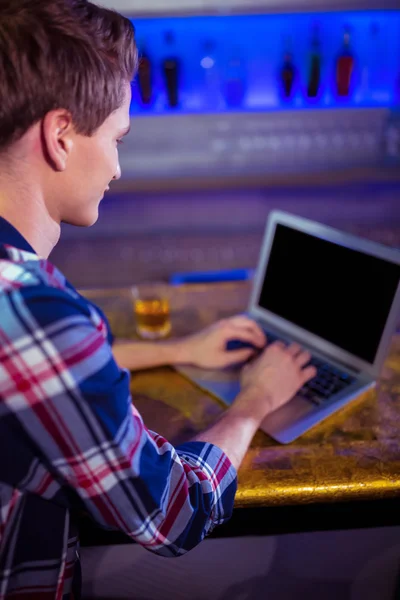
x,y
339,294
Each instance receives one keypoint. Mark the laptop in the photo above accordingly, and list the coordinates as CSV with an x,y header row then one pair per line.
x,y
335,294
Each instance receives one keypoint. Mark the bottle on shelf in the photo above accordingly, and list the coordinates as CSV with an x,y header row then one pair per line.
x,y
314,77
345,66
171,70
145,77
211,77
369,79
235,80
377,73
288,73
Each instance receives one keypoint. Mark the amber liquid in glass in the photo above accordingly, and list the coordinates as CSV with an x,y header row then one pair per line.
x,y
152,317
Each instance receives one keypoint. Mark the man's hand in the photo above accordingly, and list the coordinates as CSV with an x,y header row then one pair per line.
x,y
273,379
207,348
268,382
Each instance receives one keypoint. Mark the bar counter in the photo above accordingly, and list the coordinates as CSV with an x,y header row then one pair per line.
x,y
352,456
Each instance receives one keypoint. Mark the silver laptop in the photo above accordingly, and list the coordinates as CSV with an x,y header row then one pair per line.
x,y
335,294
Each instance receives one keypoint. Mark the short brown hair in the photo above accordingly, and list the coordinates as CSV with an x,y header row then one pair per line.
x,y
67,54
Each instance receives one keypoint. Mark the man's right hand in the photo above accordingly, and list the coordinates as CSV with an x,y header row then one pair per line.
x,y
273,379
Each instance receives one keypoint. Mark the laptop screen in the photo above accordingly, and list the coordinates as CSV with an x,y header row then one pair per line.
x,y
342,295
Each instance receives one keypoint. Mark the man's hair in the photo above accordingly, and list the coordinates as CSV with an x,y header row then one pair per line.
x,y
67,54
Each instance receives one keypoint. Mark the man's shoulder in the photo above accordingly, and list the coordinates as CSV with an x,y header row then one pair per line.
x,y
29,282
37,282
21,269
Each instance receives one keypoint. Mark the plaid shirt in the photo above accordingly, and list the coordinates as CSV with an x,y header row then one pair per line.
x,y
71,441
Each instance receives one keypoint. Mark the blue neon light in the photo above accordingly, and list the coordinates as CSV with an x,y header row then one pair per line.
x,y
231,63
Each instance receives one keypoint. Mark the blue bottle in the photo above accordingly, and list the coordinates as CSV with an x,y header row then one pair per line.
x,y
235,81
211,80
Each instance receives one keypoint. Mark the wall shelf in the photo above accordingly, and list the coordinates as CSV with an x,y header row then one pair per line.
x,y
214,7
260,146
235,63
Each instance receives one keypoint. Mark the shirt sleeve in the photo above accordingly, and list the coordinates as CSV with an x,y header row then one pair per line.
x,y
74,403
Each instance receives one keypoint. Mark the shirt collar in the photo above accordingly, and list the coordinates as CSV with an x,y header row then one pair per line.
x,y
12,237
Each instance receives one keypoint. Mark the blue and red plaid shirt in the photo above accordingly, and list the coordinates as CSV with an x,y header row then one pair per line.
x,y
71,440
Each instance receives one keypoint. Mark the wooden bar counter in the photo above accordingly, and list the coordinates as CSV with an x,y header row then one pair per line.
x,y
352,456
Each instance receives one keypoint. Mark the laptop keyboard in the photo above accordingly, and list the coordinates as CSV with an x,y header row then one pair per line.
x,y
328,381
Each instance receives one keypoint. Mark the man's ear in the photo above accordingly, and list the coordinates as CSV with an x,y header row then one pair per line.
x,y
58,137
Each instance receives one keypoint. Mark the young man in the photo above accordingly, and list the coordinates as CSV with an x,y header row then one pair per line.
x,y
70,439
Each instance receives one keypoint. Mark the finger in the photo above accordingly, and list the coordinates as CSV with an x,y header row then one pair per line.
x,y
308,373
248,337
243,322
242,335
294,349
239,356
257,334
278,344
303,358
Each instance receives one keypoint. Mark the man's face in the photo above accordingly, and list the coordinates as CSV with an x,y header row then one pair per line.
x,y
92,164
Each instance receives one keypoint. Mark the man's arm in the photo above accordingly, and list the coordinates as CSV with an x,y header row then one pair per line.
x,y
135,356
266,384
76,414
206,348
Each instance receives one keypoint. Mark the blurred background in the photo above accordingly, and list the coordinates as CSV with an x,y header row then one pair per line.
x,y
240,107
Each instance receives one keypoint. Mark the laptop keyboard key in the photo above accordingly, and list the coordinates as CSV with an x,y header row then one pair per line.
x,y
326,384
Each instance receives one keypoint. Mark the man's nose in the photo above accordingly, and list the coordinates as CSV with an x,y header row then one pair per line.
x,y
117,173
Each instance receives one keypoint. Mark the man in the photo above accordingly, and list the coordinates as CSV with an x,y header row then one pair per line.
x,y
70,439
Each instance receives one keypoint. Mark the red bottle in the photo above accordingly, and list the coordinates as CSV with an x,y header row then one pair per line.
x,y
145,79
344,67
288,76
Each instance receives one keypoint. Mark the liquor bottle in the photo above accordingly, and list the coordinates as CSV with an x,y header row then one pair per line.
x,y
345,66
171,69
235,86
145,78
210,76
377,79
314,78
287,72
